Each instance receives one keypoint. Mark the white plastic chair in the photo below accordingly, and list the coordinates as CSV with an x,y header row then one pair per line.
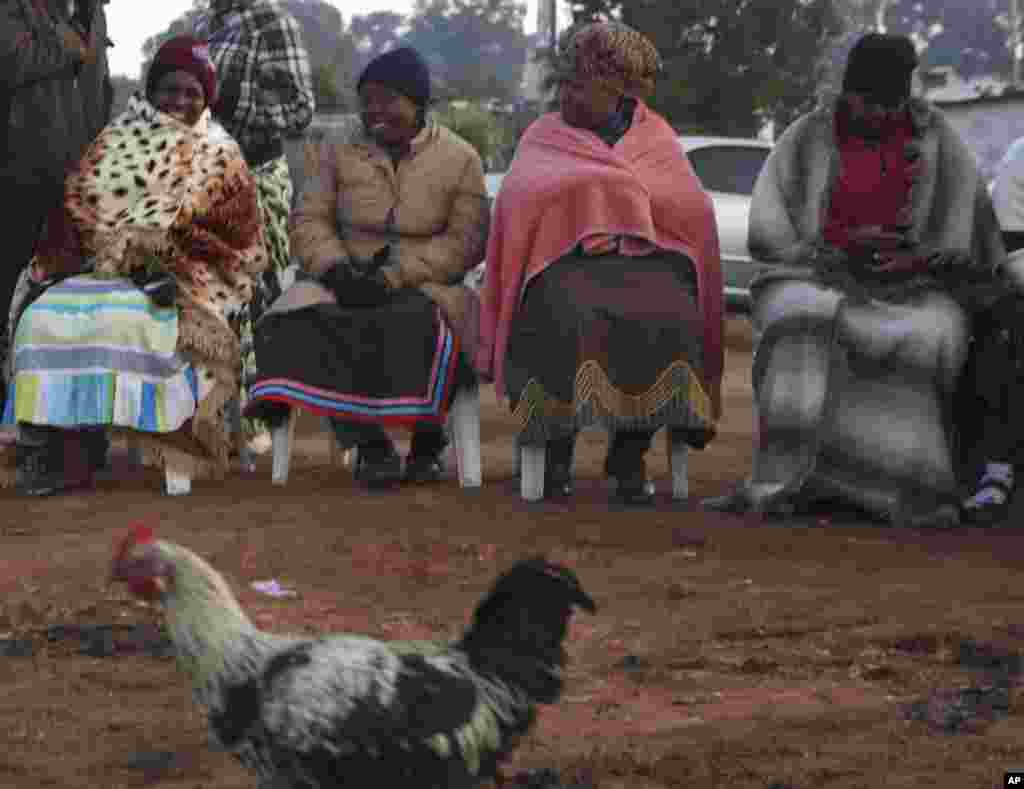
x,y
463,422
178,482
532,461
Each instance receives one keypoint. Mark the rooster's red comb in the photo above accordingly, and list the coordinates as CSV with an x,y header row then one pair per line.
x,y
139,534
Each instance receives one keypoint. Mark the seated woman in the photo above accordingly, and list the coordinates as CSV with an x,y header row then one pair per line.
x,y
162,214
391,222
602,299
883,229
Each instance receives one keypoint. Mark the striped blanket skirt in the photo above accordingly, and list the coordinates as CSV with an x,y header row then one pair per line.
x,y
98,352
394,365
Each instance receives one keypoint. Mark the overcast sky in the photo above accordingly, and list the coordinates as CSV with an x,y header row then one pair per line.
x,y
133,21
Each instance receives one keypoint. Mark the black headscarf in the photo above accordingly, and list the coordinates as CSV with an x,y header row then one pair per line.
x,y
403,71
881,66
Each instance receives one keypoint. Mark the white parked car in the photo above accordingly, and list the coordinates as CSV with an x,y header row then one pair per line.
x,y
728,168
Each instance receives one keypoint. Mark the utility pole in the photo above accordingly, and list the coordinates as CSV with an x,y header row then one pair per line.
x,y
883,6
547,21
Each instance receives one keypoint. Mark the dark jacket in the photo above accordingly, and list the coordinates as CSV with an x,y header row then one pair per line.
x,y
54,105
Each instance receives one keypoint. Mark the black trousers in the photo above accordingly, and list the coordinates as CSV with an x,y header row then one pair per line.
x,y
989,407
625,453
428,438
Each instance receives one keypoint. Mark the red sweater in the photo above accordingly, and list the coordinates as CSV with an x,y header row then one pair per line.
x,y
874,181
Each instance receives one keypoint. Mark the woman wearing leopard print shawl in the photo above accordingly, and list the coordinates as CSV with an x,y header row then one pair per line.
x,y
162,212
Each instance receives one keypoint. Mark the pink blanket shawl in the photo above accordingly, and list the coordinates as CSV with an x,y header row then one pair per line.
x,y
567,186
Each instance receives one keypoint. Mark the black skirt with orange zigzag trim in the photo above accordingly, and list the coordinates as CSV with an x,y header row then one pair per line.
x,y
609,341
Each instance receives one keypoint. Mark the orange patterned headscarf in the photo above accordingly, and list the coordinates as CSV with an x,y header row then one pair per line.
x,y
616,54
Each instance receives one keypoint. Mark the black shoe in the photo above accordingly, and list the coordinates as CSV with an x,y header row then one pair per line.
x,y
97,449
35,475
632,488
634,492
378,467
557,481
423,469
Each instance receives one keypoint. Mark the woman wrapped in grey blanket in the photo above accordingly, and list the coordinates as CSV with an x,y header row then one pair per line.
x,y
887,244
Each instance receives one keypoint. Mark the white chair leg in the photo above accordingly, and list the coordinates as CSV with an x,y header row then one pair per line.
x,y
678,454
178,482
282,438
245,456
465,422
532,459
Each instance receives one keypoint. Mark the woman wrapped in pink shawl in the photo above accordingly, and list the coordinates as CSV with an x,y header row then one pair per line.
x,y
602,303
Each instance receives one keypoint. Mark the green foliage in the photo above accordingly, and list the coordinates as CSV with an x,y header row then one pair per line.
x,y
331,49
329,94
373,34
476,48
481,128
730,65
973,36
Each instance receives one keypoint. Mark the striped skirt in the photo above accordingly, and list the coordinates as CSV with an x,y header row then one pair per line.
x,y
98,352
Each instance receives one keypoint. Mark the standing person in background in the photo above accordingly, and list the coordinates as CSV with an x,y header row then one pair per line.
x,y
94,87
45,55
266,94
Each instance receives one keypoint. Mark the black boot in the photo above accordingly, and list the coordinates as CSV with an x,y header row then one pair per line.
x,y
558,467
424,461
39,458
625,464
377,462
378,465
97,448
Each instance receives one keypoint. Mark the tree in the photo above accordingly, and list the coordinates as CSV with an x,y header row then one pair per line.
x,y
183,24
973,36
375,33
481,128
476,48
730,65
332,51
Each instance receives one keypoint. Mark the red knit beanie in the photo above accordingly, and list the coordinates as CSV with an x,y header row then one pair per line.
x,y
184,53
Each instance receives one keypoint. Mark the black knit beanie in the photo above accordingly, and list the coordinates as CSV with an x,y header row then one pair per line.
x,y
403,71
881,66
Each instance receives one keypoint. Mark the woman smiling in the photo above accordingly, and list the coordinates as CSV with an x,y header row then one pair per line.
x,y
391,223
127,317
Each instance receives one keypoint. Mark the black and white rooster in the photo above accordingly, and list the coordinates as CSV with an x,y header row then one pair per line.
x,y
346,710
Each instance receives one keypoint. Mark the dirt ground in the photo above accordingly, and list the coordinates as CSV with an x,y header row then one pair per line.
x,y
726,651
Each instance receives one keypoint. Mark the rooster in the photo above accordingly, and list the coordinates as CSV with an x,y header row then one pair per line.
x,y
347,710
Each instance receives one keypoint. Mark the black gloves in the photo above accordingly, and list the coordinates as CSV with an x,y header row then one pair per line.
x,y
360,284
160,286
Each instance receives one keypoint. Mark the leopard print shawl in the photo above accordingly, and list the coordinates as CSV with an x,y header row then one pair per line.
x,y
156,193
